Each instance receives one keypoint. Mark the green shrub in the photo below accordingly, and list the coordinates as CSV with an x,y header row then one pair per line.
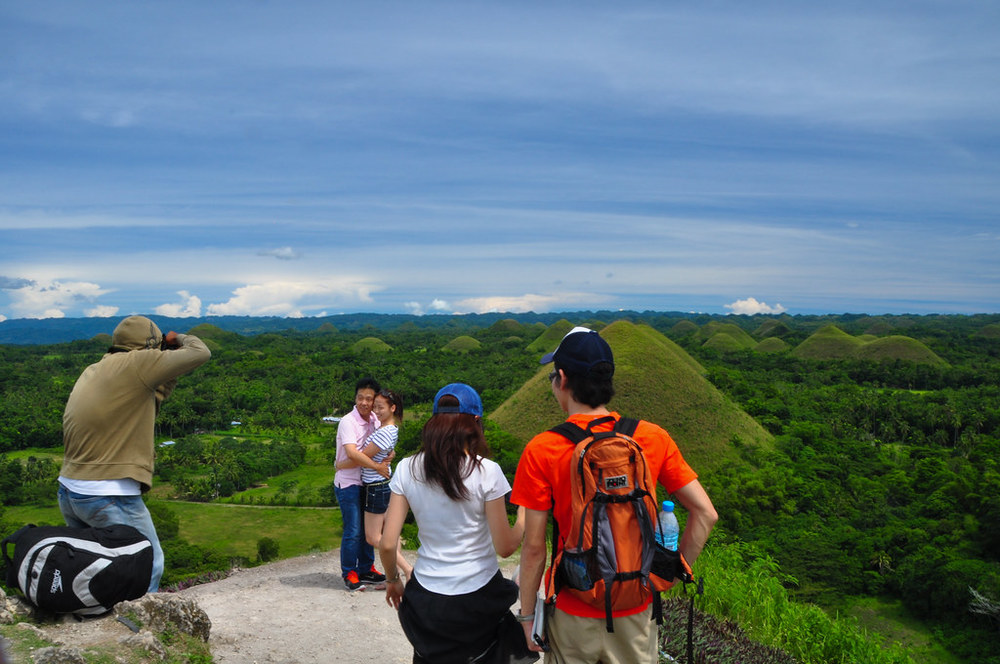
x,y
267,549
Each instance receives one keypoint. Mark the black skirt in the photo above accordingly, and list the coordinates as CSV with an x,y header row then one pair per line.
x,y
458,629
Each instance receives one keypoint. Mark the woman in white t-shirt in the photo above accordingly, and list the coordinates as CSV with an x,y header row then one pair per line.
x,y
456,605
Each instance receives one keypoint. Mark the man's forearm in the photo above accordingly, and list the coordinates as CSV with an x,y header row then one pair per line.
x,y
696,532
700,522
532,569
533,554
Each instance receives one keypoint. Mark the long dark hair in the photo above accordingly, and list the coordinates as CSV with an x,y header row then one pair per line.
x,y
451,446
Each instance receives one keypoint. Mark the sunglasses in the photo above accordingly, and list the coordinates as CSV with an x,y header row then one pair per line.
x,y
553,375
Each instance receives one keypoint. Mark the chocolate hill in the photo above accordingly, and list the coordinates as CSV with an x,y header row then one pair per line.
x,y
832,343
655,379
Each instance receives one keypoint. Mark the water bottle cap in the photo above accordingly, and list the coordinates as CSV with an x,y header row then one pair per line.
x,y
668,506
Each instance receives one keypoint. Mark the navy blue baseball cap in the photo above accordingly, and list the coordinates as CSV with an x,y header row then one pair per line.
x,y
468,400
580,350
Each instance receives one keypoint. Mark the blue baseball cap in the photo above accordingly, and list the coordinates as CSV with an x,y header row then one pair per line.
x,y
579,351
468,400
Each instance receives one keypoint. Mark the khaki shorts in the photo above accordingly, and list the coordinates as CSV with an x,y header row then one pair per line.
x,y
576,640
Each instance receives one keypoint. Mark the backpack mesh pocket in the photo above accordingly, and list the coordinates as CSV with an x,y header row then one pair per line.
x,y
576,569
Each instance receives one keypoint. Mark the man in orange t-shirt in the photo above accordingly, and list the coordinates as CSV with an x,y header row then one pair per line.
x,y
582,383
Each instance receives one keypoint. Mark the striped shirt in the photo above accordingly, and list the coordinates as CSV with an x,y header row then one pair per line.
x,y
384,439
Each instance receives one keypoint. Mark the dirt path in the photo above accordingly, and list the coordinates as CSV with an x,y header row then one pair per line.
x,y
294,611
298,611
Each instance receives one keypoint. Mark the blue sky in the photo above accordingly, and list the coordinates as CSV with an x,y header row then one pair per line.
x,y
314,158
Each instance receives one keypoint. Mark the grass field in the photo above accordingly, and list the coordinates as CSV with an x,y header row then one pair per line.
x,y
889,618
304,482
54,453
232,530
40,516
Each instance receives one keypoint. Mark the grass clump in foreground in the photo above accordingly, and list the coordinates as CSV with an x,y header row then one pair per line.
x,y
744,587
713,639
20,645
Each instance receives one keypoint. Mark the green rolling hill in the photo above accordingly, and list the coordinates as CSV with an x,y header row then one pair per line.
x,y
832,343
658,381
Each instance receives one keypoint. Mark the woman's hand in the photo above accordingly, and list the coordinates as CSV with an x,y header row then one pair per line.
x,y
394,593
529,638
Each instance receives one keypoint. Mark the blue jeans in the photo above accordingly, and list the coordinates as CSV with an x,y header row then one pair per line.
x,y
356,555
82,511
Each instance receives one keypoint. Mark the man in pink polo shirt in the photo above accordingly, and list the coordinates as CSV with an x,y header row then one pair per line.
x,y
357,557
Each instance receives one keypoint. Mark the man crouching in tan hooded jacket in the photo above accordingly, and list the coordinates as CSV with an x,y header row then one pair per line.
x,y
108,428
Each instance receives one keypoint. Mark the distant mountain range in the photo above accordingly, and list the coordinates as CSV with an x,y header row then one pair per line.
x,y
31,331
60,330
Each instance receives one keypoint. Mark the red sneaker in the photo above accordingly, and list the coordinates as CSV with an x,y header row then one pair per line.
x,y
352,581
372,576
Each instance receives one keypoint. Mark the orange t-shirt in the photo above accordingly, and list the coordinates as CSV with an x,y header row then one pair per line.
x,y
542,482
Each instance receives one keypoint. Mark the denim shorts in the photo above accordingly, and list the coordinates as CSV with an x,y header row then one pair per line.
x,y
377,497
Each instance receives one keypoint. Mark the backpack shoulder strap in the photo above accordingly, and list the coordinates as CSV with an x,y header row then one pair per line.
x,y
570,431
576,433
627,426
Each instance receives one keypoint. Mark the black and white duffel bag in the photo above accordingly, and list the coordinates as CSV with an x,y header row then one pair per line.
x,y
79,570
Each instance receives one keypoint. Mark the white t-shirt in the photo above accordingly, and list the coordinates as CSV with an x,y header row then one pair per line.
x,y
456,552
123,487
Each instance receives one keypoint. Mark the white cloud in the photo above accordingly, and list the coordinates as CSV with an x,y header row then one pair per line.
x,y
289,298
101,311
189,306
2,318
281,253
524,303
751,306
51,299
417,309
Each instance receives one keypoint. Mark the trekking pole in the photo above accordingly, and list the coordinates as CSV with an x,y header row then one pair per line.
x,y
690,636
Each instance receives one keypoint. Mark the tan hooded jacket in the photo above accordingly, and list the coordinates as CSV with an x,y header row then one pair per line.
x,y
109,417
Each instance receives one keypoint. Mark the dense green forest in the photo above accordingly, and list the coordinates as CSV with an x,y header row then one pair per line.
x,y
882,479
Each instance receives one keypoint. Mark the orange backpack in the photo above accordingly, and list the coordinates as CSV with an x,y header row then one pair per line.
x,y
607,556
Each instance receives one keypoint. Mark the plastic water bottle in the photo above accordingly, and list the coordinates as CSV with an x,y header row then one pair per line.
x,y
668,531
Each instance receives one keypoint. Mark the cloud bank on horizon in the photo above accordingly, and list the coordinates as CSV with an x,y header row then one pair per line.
x,y
309,159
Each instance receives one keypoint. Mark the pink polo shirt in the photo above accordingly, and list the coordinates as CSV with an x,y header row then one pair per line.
x,y
352,430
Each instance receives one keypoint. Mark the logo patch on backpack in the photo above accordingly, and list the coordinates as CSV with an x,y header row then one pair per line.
x,y
616,483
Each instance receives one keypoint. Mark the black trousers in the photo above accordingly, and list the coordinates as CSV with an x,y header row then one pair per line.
x,y
458,629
